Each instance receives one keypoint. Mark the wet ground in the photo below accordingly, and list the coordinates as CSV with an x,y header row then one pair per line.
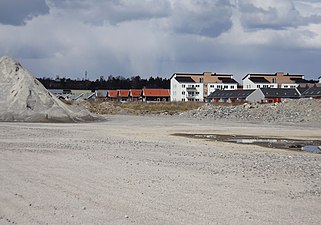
x,y
313,146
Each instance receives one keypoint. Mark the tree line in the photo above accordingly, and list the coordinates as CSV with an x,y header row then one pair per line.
x,y
111,83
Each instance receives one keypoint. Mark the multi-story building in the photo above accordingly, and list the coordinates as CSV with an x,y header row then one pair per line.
x,y
196,87
277,80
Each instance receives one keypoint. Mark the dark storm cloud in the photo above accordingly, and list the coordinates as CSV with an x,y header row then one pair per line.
x,y
205,18
279,15
16,12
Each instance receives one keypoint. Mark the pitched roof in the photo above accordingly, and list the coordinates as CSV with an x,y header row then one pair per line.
x,y
230,94
228,80
184,79
312,92
280,92
112,93
123,93
259,80
300,81
156,92
301,90
136,92
270,74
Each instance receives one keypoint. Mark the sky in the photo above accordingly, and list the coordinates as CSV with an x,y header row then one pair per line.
x,y
160,37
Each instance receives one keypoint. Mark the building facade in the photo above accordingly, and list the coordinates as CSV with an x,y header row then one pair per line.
x,y
277,80
196,87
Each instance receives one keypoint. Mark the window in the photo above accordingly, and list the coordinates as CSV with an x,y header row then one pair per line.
x,y
232,87
197,93
197,85
183,85
285,86
258,86
183,92
225,86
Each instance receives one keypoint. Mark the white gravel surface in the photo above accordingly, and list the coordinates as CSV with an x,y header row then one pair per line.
x,y
131,170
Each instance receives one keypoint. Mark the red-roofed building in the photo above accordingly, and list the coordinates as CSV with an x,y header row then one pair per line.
x,y
112,95
123,95
155,94
136,94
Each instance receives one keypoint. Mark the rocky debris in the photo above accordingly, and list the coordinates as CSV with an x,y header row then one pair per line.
x,y
302,110
23,98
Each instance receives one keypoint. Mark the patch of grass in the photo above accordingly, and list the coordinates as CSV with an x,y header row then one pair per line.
x,y
138,108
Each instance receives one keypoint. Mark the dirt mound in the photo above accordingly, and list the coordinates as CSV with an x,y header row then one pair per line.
x,y
24,98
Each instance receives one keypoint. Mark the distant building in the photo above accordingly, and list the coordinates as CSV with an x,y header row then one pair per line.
x,y
155,95
313,92
277,80
229,96
196,87
273,95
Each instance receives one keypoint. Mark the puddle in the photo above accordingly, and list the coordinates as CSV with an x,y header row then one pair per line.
x,y
313,146
313,149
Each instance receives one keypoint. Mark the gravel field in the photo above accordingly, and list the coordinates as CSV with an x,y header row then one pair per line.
x,y
132,170
297,111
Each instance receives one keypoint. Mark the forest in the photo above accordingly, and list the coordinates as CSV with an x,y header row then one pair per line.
x,y
111,83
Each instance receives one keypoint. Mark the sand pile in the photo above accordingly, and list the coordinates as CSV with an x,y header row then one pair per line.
x,y
24,98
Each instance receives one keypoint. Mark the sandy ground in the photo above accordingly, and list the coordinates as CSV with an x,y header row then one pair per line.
x,y
130,170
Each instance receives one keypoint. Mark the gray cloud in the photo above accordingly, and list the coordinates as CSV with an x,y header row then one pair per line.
x,y
273,14
16,12
205,18
113,11
160,37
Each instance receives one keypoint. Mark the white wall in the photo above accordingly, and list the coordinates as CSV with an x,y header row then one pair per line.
x,y
175,91
214,86
255,96
248,84
179,91
289,85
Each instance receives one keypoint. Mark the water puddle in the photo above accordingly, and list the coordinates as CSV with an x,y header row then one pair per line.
x,y
313,146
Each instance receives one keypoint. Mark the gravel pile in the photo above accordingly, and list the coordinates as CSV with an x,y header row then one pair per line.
x,y
23,98
302,110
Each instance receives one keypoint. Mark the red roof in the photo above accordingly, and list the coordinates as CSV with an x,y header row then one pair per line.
x,y
123,93
136,92
156,92
112,93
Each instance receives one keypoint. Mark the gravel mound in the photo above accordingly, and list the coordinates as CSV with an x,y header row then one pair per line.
x,y
23,98
302,110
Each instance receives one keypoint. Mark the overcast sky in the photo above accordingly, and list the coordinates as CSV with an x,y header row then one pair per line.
x,y
161,37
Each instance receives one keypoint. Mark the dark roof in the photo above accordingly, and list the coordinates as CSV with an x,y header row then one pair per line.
x,y
221,75
259,80
280,92
302,81
230,94
227,80
184,80
301,90
269,74
312,92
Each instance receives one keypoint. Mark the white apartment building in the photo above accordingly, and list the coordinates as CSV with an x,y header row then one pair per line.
x,y
185,89
196,87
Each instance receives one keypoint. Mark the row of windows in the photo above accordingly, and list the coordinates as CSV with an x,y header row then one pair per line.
x,y
221,87
190,86
191,100
190,93
263,86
